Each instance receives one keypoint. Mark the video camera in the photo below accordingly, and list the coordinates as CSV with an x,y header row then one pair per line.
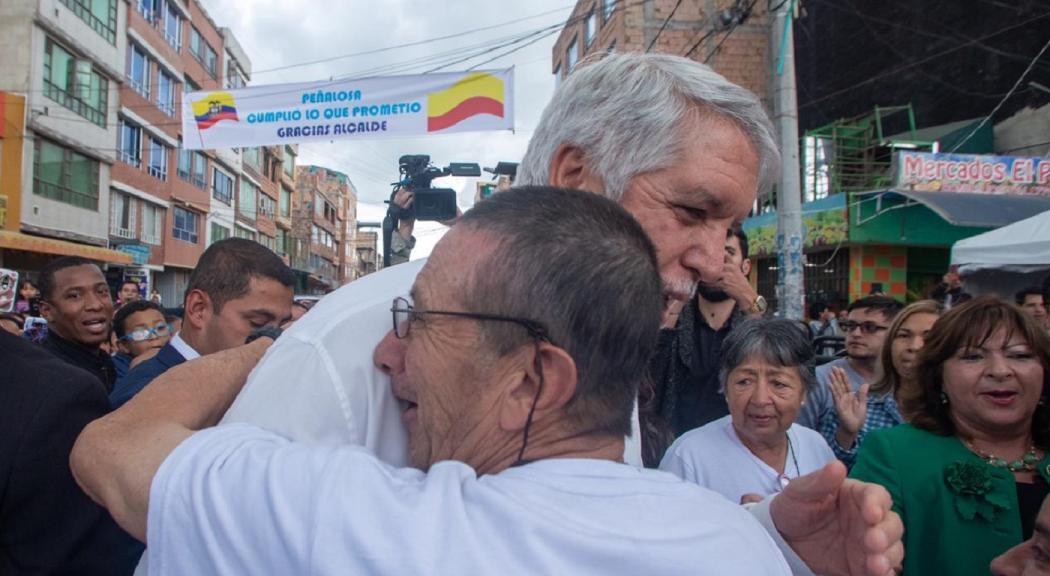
x,y
417,174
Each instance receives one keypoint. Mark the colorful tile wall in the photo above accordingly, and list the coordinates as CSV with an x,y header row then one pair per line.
x,y
885,264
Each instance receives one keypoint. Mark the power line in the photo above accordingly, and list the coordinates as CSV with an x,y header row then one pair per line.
x,y
1005,98
511,51
410,44
737,22
662,26
914,63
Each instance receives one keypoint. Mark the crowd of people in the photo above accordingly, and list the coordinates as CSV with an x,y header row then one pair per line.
x,y
579,379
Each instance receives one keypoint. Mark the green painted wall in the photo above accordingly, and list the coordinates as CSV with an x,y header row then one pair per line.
x,y
912,226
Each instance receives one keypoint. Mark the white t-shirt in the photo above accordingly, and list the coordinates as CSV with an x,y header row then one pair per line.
x,y
714,457
239,500
317,383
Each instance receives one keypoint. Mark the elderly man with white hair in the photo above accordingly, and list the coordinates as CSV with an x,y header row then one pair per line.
x,y
685,152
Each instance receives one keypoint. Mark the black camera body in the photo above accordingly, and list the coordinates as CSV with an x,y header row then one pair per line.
x,y
428,203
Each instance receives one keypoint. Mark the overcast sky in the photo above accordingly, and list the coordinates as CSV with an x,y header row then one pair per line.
x,y
279,34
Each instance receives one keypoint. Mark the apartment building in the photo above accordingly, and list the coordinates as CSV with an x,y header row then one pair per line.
x,y
732,36
63,69
325,221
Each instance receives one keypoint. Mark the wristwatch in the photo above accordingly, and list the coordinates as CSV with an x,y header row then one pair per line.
x,y
272,332
758,306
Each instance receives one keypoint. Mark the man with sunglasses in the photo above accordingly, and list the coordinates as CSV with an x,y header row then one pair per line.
x,y
865,329
141,330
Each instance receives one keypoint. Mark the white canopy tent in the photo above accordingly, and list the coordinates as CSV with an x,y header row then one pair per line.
x,y
1007,259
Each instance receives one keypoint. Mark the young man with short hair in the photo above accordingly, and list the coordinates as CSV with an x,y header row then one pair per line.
x,y
238,286
128,293
1031,299
865,330
75,301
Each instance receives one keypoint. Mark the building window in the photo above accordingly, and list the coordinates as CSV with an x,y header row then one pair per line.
x,y
202,51
222,186
101,15
246,202
281,242
267,206
193,168
75,84
185,163
289,162
64,175
166,93
590,28
196,43
150,9
158,159
234,79
130,143
244,233
250,156
219,232
285,205
173,27
200,171
608,7
138,70
152,224
571,56
122,214
185,228
267,241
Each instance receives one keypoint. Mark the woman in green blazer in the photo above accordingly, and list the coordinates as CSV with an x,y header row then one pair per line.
x,y
968,474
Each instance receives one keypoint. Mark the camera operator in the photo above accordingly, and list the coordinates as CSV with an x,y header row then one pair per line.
x,y
402,241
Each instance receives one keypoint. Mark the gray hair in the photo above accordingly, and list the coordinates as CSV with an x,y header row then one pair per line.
x,y
626,112
581,266
779,341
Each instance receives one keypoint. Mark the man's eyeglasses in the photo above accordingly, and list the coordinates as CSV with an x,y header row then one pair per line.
x,y
404,313
865,327
143,334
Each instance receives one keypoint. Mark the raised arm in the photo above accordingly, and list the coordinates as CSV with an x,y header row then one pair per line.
x,y
116,457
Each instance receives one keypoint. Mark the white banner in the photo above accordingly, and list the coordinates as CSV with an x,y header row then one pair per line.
x,y
333,110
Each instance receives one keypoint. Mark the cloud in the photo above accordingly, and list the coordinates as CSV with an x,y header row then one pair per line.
x,y
276,34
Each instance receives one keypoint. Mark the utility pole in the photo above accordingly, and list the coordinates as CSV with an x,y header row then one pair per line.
x,y
789,195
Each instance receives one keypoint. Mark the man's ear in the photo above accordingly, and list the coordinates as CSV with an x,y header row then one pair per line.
x,y
559,381
47,312
198,309
745,266
570,169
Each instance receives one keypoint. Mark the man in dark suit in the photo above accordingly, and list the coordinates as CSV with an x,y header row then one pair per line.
x,y
238,286
47,524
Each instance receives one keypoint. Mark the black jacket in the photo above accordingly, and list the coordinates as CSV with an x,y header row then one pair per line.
x,y
47,524
91,359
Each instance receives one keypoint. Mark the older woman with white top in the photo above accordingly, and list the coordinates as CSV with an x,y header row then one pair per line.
x,y
755,451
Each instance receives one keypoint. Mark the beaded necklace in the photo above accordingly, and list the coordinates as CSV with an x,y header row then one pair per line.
x,y
1025,464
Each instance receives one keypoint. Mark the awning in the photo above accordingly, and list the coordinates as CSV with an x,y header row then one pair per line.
x,y
19,241
959,209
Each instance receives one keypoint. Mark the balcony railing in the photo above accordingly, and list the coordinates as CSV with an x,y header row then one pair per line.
x,y
81,108
63,194
122,232
149,238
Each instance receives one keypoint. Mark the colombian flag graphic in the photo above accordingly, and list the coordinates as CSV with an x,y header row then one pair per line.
x,y
212,108
475,94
